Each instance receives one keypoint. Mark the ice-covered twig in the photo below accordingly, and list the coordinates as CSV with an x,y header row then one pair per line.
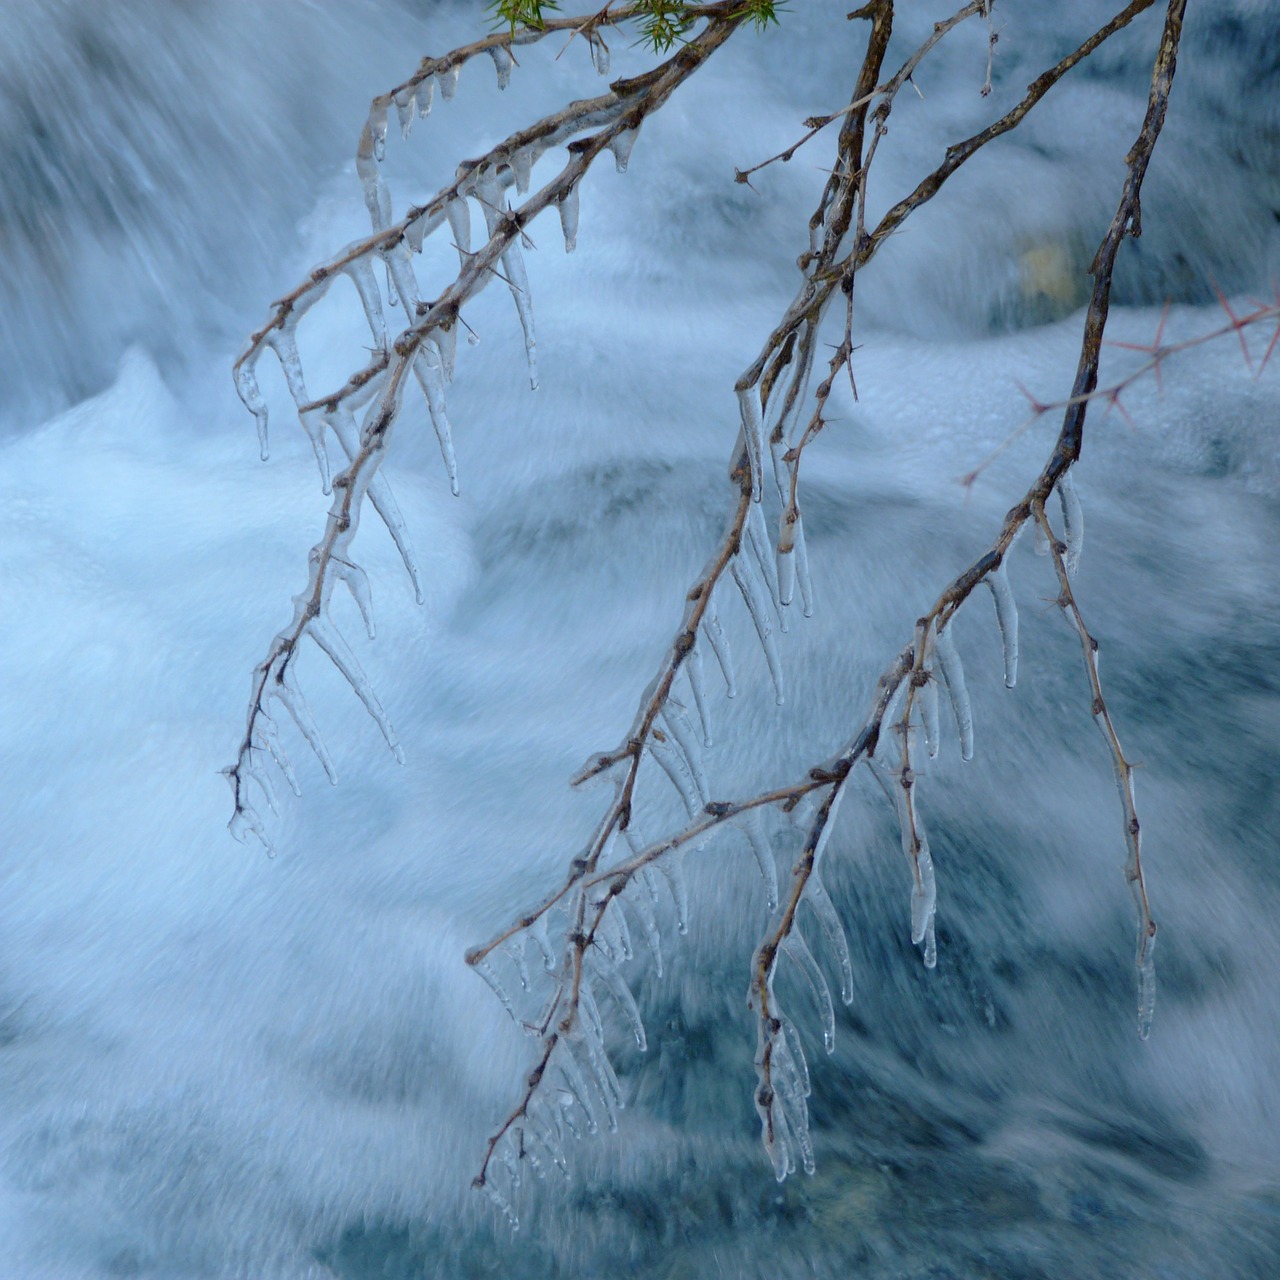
x,y
590,127
840,244
1124,771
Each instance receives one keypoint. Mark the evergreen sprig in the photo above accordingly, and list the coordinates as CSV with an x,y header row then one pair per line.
x,y
662,22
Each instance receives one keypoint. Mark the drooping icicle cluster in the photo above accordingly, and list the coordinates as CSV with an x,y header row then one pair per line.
x,y
427,346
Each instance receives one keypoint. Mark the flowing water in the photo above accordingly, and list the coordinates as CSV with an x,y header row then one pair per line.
x,y
213,1064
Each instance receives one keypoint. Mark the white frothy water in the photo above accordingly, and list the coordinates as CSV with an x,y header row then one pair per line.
x,y
219,1065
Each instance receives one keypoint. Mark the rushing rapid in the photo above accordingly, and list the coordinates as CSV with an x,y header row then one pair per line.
x,y
218,1064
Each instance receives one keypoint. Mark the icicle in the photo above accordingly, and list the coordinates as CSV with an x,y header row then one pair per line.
x,y
819,900
924,892
330,640
501,1203
406,109
753,829
270,737
753,436
599,54
680,728
284,343
1042,540
623,931
446,342
792,1080
802,569
502,62
568,206
448,81
377,126
626,1001
281,685
953,674
459,214
515,949
607,937
511,1164
578,1087
377,198
601,1070
538,932
521,162
488,192
425,94
343,425
418,226
829,826
518,279
719,643
672,764
360,270
1072,521
1146,980
749,587
786,563
621,145
761,549
781,470
247,821
313,424
389,512
798,1060
1006,619
698,687
673,871
485,970
641,903
249,392
357,582
428,369
593,1039
259,776
930,946
927,696
400,270
796,947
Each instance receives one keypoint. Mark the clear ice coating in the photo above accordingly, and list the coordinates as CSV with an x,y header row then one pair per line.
x,y
1146,979
753,437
